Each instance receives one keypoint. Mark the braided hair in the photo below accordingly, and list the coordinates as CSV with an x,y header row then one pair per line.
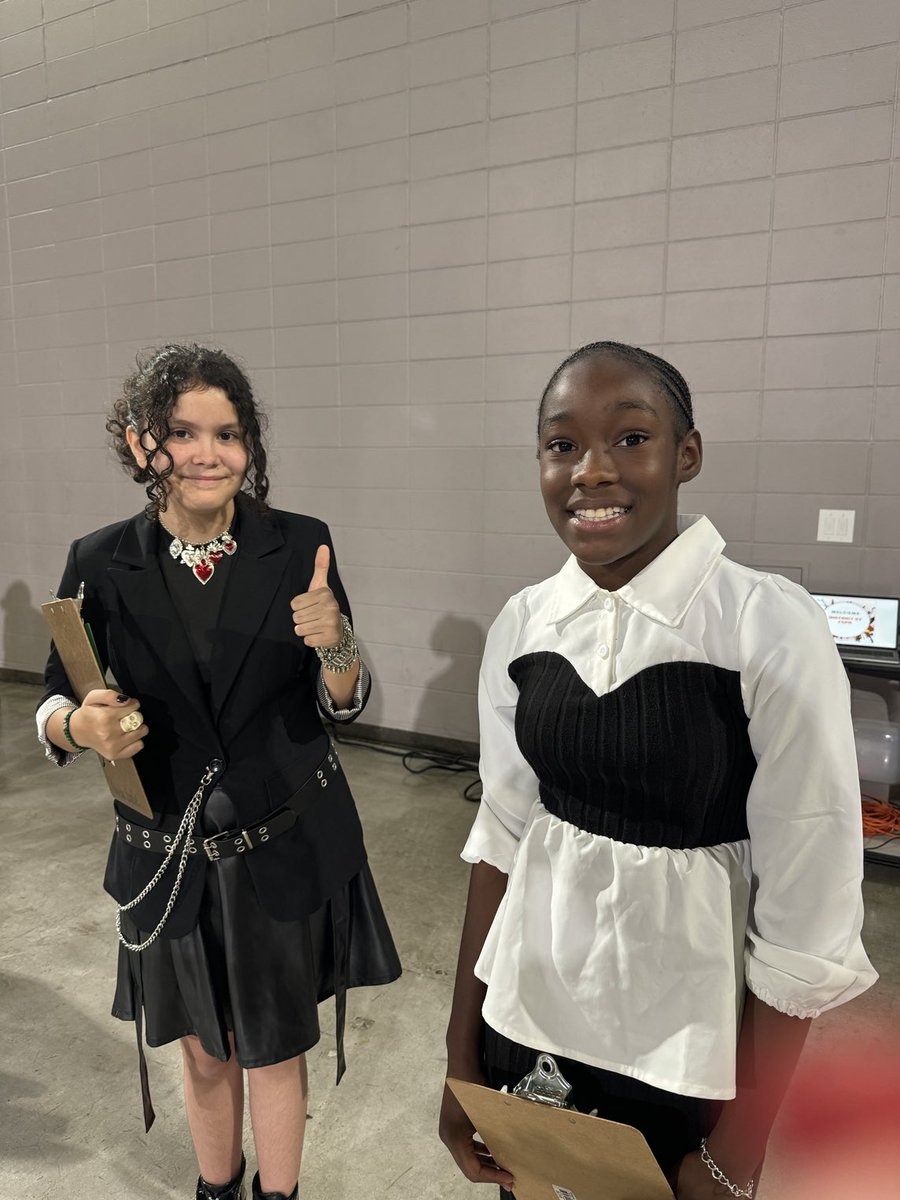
x,y
148,398
670,381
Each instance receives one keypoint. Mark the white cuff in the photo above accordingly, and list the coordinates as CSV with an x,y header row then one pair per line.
x,y
805,985
489,840
62,758
359,693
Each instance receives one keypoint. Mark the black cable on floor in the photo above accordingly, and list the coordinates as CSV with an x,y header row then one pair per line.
x,y
890,837
419,762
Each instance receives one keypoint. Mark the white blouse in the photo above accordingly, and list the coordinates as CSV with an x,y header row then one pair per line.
x,y
634,957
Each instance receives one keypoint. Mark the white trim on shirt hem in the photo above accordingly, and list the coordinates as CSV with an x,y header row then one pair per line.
x,y
678,1087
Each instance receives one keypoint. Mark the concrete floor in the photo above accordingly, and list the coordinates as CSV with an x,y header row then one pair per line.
x,y
71,1121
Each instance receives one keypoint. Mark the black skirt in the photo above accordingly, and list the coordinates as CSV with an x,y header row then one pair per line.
x,y
241,970
672,1124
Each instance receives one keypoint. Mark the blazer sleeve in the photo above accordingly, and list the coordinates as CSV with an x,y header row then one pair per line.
x,y
340,716
76,573
58,691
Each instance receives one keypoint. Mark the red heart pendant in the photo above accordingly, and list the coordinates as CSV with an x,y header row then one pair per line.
x,y
216,556
203,571
229,546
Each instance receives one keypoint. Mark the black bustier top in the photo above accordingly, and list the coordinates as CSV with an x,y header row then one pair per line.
x,y
663,760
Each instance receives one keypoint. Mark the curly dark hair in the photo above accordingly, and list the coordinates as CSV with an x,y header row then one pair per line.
x,y
148,397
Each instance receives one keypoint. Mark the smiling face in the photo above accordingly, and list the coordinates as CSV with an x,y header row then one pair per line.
x,y
611,465
209,459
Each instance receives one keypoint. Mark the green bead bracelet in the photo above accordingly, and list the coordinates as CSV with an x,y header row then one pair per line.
x,y
66,719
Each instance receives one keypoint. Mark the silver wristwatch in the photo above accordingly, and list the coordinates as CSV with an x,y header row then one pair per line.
x,y
340,658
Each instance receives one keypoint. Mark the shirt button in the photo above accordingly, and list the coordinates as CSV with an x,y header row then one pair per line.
x,y
604,651
609,604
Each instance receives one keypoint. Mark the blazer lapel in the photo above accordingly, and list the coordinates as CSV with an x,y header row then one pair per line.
x,y
254,577
136,575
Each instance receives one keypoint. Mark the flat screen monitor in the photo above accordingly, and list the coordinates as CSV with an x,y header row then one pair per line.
x,y
866,622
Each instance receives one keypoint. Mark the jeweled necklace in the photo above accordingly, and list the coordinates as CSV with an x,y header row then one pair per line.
x,y
202,558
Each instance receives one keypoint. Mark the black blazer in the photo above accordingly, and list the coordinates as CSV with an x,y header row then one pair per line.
x,y
259,719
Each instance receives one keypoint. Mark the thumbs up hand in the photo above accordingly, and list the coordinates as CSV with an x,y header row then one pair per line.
x,y
317,617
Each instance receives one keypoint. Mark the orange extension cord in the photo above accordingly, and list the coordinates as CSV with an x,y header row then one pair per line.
x,y
879,819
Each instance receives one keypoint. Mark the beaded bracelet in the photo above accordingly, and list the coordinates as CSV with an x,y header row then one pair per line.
x,y
719,1175
66,719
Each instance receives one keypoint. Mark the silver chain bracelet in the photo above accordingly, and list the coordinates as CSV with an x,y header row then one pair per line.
x,y
184,836
341,657
719,1175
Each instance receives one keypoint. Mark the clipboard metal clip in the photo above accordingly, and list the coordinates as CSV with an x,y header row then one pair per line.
x,y
545,1084
78,597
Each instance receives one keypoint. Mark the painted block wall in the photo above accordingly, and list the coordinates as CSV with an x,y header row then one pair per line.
x,y
402,216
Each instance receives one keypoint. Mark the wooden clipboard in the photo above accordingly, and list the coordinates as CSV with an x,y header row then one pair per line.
x,y
80,661
559,1154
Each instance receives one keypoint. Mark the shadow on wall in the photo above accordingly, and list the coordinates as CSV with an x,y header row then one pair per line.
x,y
26,640
449,706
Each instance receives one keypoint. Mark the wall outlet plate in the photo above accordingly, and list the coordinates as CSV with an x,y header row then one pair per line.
x,y
836,524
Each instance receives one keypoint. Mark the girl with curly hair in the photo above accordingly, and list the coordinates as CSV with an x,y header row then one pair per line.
x,y
247,899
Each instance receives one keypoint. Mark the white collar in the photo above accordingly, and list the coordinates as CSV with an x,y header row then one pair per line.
x,y
663,591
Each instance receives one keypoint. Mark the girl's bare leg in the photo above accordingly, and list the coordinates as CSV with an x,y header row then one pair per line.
x,y
278,1096
214,1102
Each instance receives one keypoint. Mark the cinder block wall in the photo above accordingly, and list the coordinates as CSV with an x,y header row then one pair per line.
x,y
402,215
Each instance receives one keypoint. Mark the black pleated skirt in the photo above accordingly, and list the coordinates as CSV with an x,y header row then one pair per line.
x,y
672,1124
240,970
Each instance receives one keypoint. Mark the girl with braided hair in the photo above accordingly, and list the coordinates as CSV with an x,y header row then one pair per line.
x,y
668,761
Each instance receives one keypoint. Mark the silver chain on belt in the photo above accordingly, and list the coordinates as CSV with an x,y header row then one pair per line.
x,y
185,834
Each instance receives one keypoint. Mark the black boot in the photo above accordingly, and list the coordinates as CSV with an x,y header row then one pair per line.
x,y
223,1191
260,1195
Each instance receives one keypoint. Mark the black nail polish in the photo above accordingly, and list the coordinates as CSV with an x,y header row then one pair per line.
x,y
121,699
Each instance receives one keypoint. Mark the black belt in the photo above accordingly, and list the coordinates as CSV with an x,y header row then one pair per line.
x,y
227,844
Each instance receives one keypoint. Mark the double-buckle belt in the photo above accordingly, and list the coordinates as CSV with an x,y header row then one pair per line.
x,y
229,842
218,845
